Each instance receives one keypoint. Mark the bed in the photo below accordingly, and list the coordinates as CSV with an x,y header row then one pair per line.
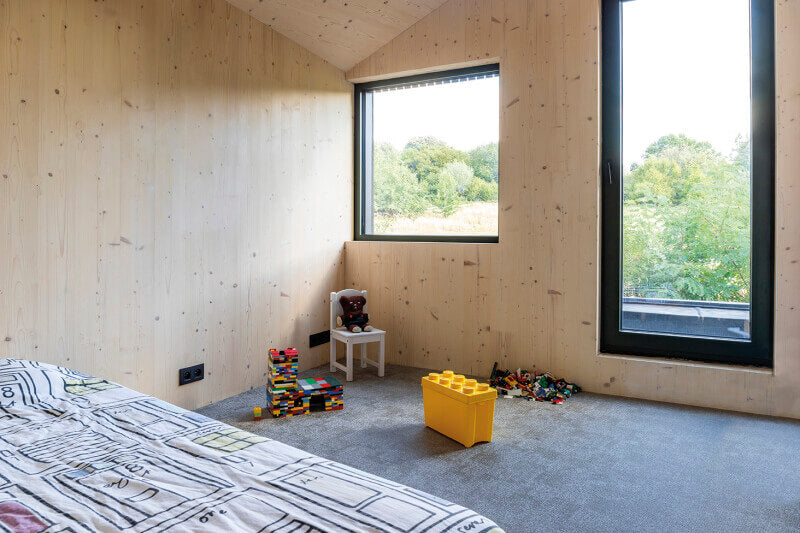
x,y
79,453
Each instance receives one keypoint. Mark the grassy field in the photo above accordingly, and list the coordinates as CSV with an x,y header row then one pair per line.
x,y
476,218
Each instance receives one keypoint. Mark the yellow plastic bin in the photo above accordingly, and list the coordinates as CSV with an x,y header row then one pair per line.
x,y
459,408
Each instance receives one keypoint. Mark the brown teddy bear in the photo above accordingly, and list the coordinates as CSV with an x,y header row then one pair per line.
x,y
353,317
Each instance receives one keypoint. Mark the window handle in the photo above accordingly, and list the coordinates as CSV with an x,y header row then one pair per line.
x,y
608,170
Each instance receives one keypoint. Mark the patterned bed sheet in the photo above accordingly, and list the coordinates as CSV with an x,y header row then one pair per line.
x,y
79,453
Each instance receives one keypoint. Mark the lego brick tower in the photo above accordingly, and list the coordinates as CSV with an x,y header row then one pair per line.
x,y
284,397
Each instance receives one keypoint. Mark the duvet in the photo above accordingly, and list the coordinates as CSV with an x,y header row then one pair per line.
x,y
79,453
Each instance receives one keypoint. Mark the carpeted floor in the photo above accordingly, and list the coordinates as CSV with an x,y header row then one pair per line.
x,y
595,463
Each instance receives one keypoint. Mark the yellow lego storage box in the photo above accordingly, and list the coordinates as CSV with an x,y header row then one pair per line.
x,y
459,408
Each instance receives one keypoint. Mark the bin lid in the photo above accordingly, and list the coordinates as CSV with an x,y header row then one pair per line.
x,y
477,396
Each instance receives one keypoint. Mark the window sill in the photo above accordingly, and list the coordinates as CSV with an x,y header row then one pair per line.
x,y
430,239
682,363
724,320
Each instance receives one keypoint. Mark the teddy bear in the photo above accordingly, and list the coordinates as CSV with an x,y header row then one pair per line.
x,y
353,316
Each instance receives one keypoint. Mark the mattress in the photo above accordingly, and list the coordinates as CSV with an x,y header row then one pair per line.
x,y
79,453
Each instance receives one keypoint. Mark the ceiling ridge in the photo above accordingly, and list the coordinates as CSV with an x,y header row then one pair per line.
x,y
342,32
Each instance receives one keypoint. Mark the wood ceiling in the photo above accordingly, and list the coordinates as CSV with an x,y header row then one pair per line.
x,y
343,32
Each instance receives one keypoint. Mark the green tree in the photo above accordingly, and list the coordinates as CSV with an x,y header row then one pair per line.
x,y
444,193
461,173
686,222
481,191
741,154
674,166
680,148
397,192
427,156
483,161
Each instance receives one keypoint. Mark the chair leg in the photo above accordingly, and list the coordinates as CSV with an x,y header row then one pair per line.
x,y
363,355
349,362
333,354
380,357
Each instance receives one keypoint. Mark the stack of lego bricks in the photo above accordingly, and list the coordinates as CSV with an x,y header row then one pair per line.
x,y
325,392
284,397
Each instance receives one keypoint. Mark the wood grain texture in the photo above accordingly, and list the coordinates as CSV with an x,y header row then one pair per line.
x,y
532,299
342,32
167,171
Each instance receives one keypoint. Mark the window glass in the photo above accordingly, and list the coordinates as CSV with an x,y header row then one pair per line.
x,y
432,166
686,167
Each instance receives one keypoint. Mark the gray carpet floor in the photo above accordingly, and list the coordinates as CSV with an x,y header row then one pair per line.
x,y
594,463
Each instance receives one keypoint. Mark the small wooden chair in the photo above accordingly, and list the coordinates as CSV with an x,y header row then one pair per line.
x,y
342,334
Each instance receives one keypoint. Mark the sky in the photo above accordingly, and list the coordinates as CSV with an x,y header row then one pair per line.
x,y
464,114
686,69
668,86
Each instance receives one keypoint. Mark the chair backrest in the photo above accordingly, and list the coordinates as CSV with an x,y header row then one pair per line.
x,y
336,307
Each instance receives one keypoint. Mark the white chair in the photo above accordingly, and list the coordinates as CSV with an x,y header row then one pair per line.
x,y
342,334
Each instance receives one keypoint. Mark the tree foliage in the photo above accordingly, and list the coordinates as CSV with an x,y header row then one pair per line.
x,y
481,191
397,192
427,156
430,175
444,191
484,162
461,175
686,222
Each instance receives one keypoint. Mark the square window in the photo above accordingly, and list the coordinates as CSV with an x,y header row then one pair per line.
x,y
427,157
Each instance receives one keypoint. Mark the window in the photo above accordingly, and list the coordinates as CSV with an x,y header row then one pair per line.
x,y
426,157
687,166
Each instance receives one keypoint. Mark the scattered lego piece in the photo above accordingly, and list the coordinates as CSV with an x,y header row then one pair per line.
x,y
256,413
539,386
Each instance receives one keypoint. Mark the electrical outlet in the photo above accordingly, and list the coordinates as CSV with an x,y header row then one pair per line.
x,y
190,374
319,338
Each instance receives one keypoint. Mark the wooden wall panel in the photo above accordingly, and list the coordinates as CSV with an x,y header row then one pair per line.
x,y
341,31
175,187
532,299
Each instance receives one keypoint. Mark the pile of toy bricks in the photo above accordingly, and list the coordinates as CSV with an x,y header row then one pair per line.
x,y
284,397
327,393
539,386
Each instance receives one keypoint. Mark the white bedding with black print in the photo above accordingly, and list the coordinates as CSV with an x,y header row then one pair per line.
x,y
79,453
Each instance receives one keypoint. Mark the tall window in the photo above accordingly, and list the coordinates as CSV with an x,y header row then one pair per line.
x,y
688,164
426,157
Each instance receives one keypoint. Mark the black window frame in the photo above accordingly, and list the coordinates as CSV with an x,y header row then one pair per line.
x,y
758,350
363,143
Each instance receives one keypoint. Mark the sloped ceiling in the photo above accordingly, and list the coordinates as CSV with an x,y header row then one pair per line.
x,y
343,32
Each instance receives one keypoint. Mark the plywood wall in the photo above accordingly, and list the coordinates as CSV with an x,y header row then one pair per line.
x,y
341,31
532,299
175,188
